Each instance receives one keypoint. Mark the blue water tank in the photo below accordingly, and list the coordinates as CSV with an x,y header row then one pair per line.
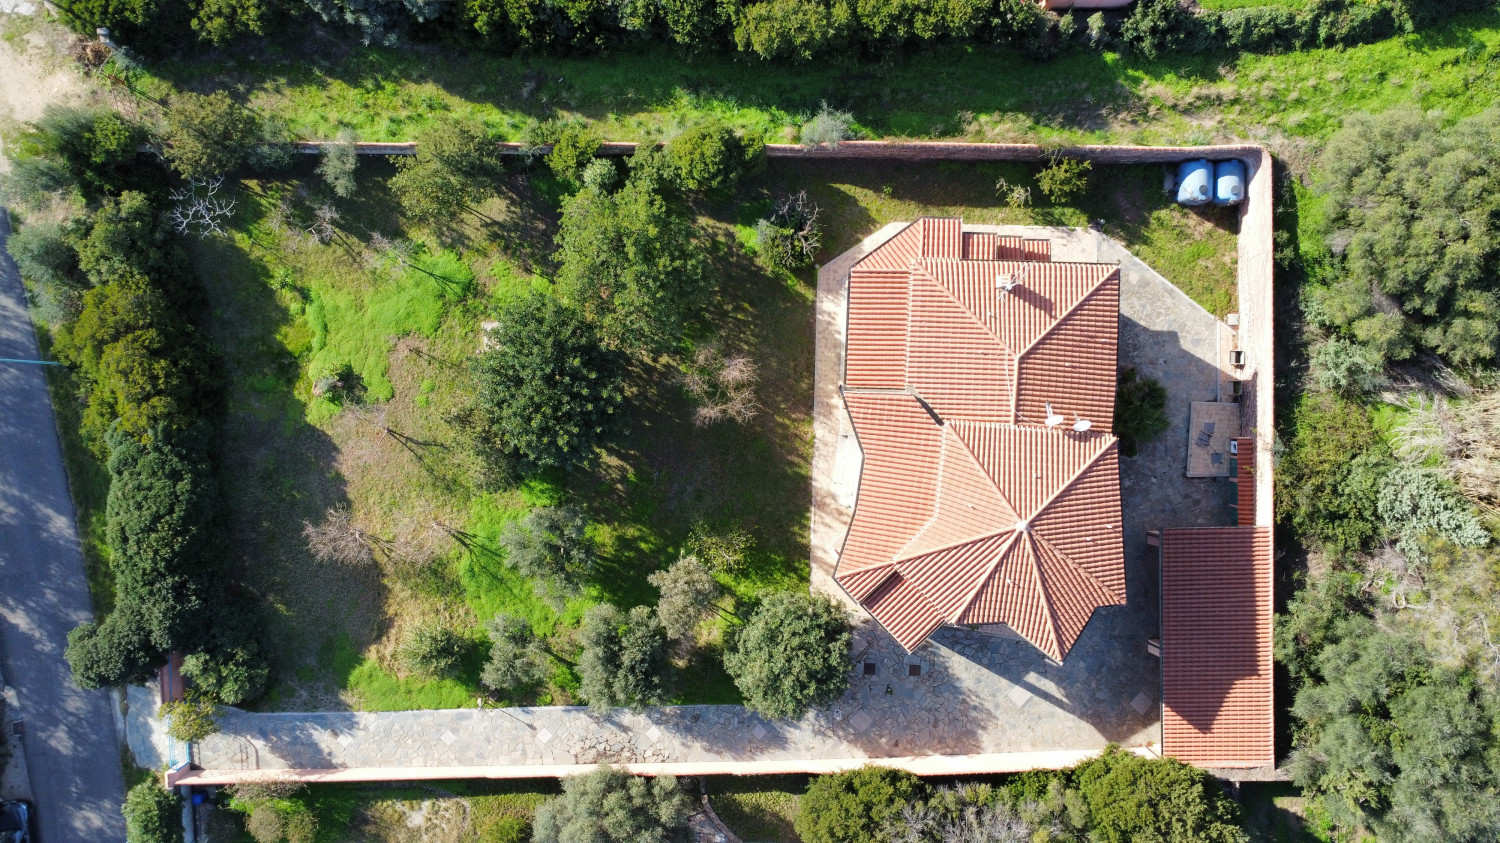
x,y
1229,182
1193,182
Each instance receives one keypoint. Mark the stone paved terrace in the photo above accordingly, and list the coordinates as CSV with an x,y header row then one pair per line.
x,y
981,702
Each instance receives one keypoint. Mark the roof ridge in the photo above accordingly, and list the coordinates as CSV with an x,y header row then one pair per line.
x,y
982,470
937,495
1056,551
866,256
1041,587
980,582
921,271
1069,312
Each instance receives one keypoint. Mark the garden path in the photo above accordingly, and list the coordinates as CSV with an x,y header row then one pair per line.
x,y
979,701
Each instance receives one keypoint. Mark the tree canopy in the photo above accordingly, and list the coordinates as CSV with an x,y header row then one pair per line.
x,y
208,134
688,592
456,165
1412,210
792,654
612,806
629,262
548,393
624,658
856,806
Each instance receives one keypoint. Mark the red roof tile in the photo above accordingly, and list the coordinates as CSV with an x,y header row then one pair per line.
x,y
1218,707
1244,475
970,510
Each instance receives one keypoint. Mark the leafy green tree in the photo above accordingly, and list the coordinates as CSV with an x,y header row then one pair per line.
x,y
794,29
856,806
711,156
552,547
791,655
518,659
1065,179
125,235
208,134
1158,27
688,592
548,394
96,147
192,718
432,649
337,163
1390,741
221,21
624,658
116,652
1411,210
1133,798
573,151
630,263
230,664
456,166
611,806
1140,411
46,258
153,814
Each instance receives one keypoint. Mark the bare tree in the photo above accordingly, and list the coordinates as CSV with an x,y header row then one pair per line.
x,y
385,253
199,209
337,539
321,229
723,386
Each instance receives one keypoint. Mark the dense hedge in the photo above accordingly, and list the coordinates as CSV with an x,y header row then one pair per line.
x,y
117,292
788,30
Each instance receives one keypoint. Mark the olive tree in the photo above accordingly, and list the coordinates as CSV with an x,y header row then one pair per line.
x,y
624,658
208,134
612,806
791,655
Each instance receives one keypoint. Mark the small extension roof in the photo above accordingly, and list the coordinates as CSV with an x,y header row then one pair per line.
x,y
982,391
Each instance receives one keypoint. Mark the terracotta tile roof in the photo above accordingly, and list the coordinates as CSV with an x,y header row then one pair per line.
x,y
970,509
1244,475
1218,708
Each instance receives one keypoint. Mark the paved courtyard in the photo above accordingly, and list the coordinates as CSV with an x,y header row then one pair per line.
x,y
974,693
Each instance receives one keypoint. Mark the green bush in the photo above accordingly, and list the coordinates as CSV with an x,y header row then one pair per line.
x,y
573,151
1140,411
794,30
610,806
710,156
1348,368
1065,179
624,658
1328,480
1133,798
1416,503
548,394
96,148
792,654
432,649
631,263
456,165
855,807
191,719
208,135
827,128
1158,27
152,814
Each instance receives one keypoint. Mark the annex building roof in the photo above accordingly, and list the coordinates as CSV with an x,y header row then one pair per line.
x,y
980,381
1218,707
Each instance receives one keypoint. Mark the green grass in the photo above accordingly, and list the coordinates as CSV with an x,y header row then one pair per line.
x,y
1276,812
969,92
758,809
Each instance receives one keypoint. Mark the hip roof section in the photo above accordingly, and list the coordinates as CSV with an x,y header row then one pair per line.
x,y
971,508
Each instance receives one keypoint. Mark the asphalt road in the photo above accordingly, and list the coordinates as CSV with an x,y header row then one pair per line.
x,y
72,748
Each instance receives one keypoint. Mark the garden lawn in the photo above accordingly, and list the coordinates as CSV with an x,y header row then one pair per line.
x,y
758,808
962,91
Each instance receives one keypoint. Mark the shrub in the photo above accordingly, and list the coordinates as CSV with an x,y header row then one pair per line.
x,y
710,156
1348,368
1158,27
548,394
624,658
338,162
688,593
1404,195
45,257
855,807
1065,179
1140,411
116,652
208,135
1133,798
230,666
1327,482
266,824
827,128
191,719
793,29
791,655
629,262
790,238
602,174
1415,502
517,658
722,551
152,814
573,151
96,149
455,166
610,806
432,649
551,545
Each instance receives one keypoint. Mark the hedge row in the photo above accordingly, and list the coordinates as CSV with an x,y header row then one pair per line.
x,y
783,30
